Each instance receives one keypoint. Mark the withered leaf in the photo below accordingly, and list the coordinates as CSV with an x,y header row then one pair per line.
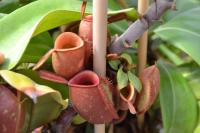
x,y
150,79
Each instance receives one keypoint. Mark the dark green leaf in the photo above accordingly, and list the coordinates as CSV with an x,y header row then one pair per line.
x,y
122,79
178,104
7,6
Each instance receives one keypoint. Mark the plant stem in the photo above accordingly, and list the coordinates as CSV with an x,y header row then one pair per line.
x,y
99,44
136,29
142,51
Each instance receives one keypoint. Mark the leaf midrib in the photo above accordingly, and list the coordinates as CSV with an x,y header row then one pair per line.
x,y
178,29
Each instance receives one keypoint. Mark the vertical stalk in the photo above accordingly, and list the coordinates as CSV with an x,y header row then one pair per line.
x,y
99,44
142,50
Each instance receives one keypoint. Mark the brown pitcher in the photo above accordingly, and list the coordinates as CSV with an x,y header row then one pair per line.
x,y
92,98
69,55
85,32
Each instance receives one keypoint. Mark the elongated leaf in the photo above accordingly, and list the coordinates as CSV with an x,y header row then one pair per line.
x,y
178,105
33,19
122,79
186,32
44,109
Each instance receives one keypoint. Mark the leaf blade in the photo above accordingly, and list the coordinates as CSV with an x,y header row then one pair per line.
x,y
134,80
122,79
174,95
186,35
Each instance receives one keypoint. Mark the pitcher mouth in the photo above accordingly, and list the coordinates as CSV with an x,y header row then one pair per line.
x,y
68,41
88,18
127,93
84,79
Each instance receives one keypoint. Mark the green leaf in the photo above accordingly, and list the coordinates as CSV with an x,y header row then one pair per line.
x,y
134,80
47,14
127,57
78,120
118,27
37,114
63,89
46,108
131,13
178,104
197,129
7,6
171,55
182,6
113,5
186,32
122,79
16,80
42,43
192,74
2,15
114,64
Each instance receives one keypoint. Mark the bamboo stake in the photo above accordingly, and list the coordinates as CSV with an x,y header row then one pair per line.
x,y
142,50
99,44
